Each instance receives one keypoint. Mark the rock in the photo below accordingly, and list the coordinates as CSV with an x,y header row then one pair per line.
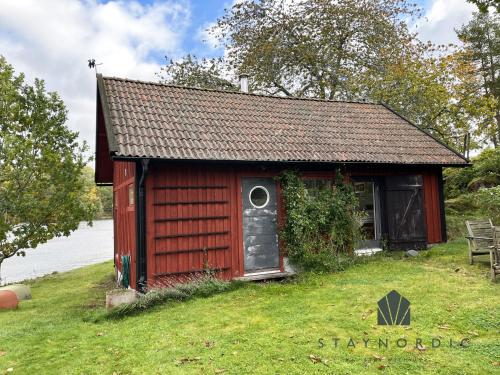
x,y
23,292
412,253
119,297
8,300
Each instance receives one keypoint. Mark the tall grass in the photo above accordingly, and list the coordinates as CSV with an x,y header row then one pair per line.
x,y
198,287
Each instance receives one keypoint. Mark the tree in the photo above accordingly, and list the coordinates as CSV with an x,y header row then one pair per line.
x,y
347,49
484,5
42,193
481,39
91,192
315,48
106,197
438,89
189,71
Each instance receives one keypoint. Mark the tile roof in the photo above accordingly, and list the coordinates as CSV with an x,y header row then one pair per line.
x,y
170,122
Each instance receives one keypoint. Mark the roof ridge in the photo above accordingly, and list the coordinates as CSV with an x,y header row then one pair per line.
x,y
237,92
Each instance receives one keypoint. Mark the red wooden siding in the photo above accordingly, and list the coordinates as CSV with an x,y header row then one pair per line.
x,y
193,216
189,222
432,207
103,162
124,216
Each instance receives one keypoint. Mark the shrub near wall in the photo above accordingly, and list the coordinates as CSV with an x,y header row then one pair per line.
x,y
321,227
473,192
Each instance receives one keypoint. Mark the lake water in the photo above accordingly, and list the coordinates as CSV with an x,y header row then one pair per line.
x,y
87,245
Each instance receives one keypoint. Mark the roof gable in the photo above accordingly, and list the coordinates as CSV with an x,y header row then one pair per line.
x,y
153,120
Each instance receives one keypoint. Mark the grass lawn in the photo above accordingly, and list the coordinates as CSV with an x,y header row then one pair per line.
x,y
271,328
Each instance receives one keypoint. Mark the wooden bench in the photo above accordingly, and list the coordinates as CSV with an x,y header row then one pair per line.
x,y
480,237
495,254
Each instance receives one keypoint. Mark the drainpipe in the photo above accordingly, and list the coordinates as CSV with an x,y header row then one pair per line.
x,y
141,264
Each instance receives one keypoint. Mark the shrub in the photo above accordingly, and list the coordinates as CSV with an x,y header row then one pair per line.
x,y
321,226
473,192
484,173
203,287
484,203
488,200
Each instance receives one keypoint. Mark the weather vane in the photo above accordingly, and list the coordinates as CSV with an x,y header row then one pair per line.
x,y
92,64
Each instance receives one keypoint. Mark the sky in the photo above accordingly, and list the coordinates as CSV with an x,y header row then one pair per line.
x,y
53,39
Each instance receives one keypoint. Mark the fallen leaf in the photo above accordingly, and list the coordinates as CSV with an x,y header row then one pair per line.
x,y
366,314
495,363
209,344
2,354
378,357
473,333
220,371
381,367
444,326
314,358
185,360
100,334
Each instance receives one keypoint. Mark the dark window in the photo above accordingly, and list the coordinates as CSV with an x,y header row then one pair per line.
x,y
259,197
314,186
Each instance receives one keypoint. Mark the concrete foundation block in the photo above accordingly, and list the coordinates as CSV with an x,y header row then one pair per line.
x,y
119,297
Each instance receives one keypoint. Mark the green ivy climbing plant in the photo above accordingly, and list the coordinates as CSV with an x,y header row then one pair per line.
x,y
321,227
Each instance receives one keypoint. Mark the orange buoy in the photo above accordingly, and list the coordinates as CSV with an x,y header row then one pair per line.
x,y
8,300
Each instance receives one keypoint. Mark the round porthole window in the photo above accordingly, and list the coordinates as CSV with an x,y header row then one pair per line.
x,y
259,197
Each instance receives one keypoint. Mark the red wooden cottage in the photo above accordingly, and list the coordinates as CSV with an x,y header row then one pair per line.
x,y
193,174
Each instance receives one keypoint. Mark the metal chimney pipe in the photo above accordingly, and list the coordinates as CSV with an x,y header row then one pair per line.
x,y
244,83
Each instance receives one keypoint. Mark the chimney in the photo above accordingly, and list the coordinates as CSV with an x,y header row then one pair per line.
x,y
244,83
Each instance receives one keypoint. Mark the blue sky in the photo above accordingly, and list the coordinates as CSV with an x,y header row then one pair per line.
x,y
52,39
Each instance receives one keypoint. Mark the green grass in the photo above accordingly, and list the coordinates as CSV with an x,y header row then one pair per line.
x,y
271,328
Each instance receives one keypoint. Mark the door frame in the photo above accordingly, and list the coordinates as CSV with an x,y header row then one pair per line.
x,y
279,213
423,208
381,215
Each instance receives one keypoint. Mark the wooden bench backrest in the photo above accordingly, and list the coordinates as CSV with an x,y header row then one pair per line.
x,y
496,244
481,228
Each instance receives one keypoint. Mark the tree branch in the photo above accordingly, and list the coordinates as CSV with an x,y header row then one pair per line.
x,y
282,88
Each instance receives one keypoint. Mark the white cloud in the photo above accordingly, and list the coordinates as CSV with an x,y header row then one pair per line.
x,y
53,40
441,19
207,39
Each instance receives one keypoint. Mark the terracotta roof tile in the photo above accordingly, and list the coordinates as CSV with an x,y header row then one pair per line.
x,y
170,122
